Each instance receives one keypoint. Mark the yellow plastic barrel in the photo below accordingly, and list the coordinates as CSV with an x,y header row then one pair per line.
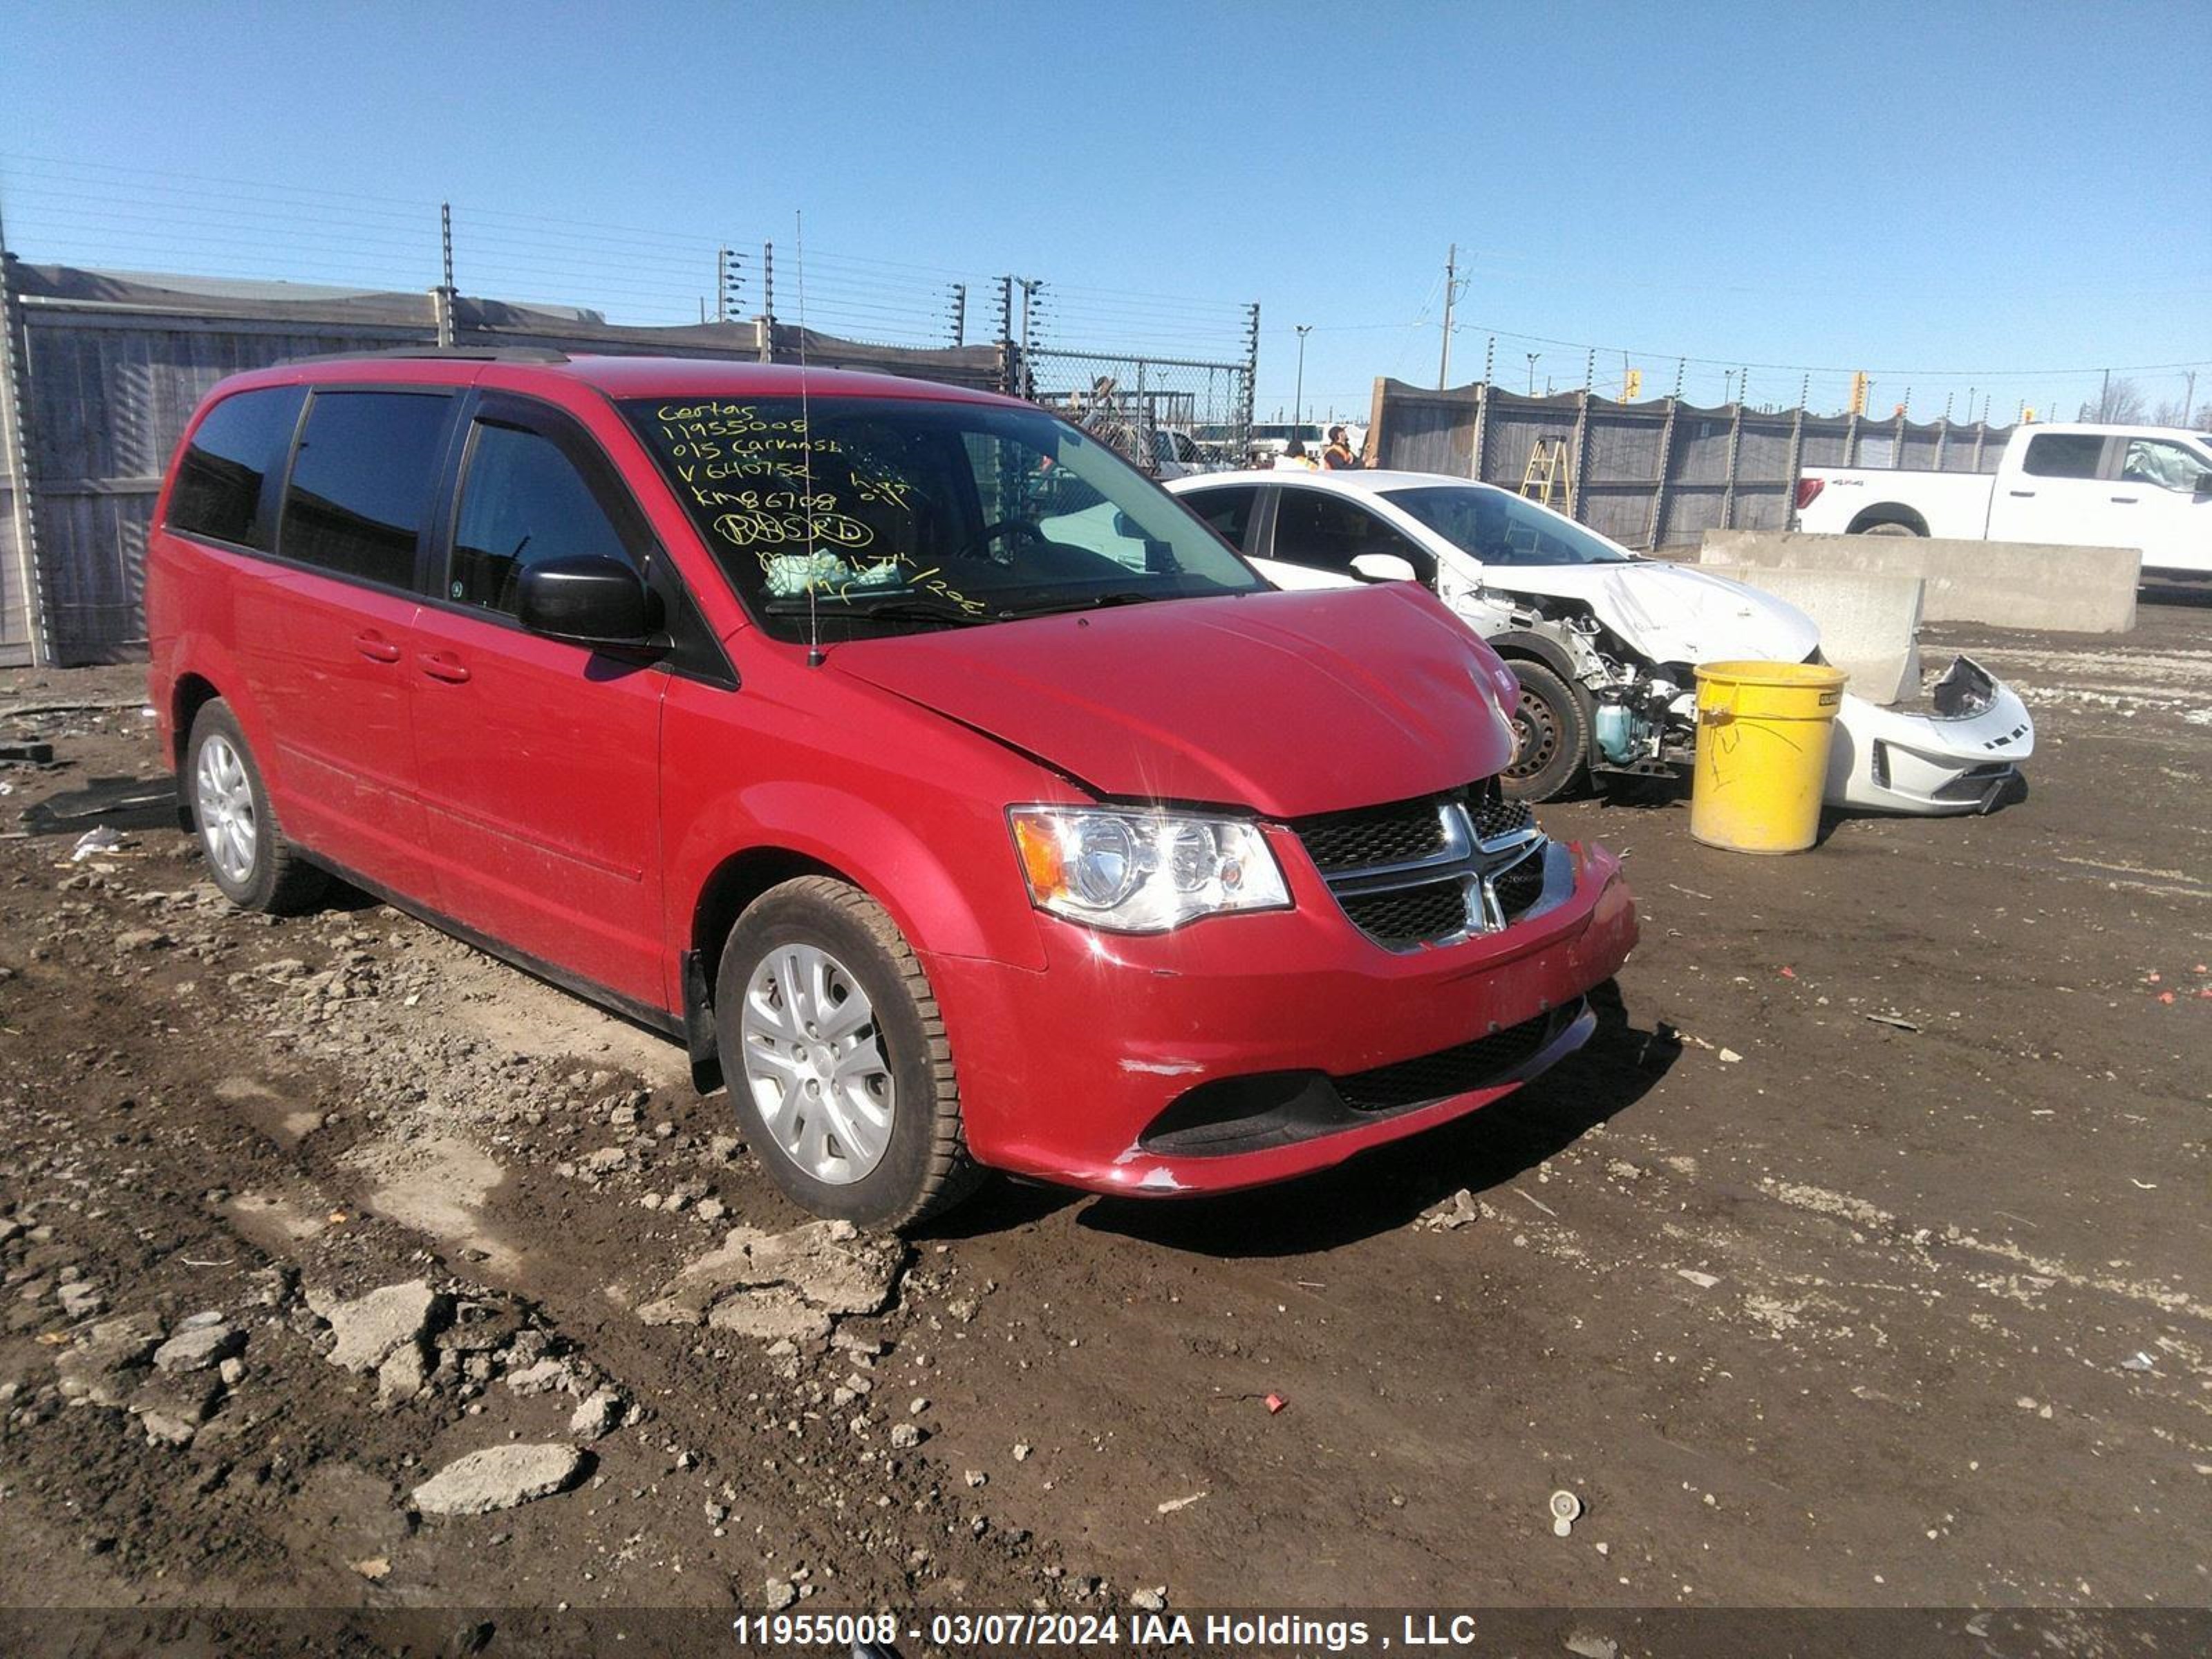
x,y
1763,734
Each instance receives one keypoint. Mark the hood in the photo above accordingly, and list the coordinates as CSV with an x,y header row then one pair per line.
x,y
1672,613
1283,704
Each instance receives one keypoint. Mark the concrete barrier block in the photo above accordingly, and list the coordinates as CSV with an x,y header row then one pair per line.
x,y
2081,590
1869,624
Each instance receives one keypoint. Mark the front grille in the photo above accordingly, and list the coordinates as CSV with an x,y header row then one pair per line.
x,y
1405,872
1495,815
1519,886
1471,1066
1403,832
1402,916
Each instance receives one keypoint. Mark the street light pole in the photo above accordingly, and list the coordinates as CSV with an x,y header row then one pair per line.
x,y
1298,401
1532,357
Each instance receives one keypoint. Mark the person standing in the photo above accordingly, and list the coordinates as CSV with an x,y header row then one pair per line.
x,y
1338,457
1295,459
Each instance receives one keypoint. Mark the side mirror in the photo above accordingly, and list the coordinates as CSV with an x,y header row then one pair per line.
x,y
1383,567
589,598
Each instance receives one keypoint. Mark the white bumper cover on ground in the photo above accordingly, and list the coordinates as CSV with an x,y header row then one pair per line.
x,y
1958,756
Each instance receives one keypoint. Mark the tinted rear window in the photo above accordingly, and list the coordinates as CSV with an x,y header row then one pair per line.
x,y
221,475
1228,509
2063,455
360,487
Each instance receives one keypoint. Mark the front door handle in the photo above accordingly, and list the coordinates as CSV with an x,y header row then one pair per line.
x,y
374,646
443,666
2126,501
2022,493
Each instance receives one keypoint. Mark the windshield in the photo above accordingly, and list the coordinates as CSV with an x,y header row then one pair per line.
x,y
884,515
1501,529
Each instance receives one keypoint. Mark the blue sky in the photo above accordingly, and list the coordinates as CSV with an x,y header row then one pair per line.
x,y
1931,192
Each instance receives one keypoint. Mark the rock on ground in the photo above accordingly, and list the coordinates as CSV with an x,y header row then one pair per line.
x,y
172,1409
199,1348
90,1369
783,1285
498,1478
370,1328
401,1377
598,1415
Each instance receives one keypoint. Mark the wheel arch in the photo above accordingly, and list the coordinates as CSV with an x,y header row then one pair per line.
x,y
1534,648
729,888
941,883
1882,512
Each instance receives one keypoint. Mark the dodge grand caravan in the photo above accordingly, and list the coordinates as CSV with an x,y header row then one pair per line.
x,y
957,796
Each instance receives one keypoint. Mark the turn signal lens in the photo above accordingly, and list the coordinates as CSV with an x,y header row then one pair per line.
x,y
1144,873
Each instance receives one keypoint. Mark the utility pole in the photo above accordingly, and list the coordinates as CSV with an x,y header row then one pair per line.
x,y
2189,401
1532,356
1451,293
960,313
1298,398
2104,398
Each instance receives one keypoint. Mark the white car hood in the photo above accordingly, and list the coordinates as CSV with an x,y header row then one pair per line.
x,y
1669,612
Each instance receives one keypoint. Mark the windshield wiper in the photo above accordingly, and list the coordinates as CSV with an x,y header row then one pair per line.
x,y
1096,602
901,607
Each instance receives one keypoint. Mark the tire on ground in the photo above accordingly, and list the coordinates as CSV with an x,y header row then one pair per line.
x,y
925,1169
1551,730
279,879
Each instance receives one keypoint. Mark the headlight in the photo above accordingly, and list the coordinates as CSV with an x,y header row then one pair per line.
x,y
1143,872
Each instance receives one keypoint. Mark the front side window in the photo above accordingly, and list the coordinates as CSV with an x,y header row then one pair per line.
x,y
1498,528
866,515
362,485
2063,455
2168,466
223,477
522,503
1325,532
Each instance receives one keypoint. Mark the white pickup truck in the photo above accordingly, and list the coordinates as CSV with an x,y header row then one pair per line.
x,y
2145,487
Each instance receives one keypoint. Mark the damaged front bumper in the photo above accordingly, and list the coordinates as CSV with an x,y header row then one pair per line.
x,y
1960,755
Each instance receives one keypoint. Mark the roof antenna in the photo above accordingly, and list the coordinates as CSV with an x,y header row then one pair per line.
x,y
814,656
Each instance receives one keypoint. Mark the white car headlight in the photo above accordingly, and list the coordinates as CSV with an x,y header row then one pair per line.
x,y
1143,872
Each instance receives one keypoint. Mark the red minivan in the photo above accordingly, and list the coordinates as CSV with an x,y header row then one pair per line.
x,y
956,795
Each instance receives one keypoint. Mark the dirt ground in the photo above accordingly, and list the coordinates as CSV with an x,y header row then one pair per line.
x,y
1889,1284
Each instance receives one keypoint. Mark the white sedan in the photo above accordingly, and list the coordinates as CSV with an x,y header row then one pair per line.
x,y
1603,640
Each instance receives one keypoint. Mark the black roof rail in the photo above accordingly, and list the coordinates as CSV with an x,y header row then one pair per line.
x,y
450,354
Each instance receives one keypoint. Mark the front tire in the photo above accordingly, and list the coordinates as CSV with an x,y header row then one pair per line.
x,y
249,854
837,1059
1551,735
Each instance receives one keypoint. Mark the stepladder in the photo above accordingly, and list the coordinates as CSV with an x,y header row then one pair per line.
x,y
1550,471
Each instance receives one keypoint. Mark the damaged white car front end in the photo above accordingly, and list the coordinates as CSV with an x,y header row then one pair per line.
x,y
1961,754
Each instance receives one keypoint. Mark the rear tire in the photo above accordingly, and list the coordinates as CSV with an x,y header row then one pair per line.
x,y
1550,733
249,854
837,1061
1889,527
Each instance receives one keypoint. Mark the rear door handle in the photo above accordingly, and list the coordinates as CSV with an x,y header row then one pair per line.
x,y
374,646
2021,492
441,665
2126,501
